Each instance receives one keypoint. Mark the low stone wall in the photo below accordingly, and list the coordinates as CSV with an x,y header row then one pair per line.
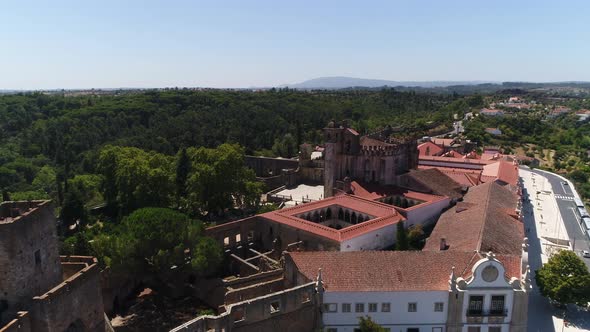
x,y
21,323
252,291
74,303
290,310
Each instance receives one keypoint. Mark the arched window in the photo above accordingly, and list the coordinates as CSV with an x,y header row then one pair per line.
x,y
353,219
316,217
328,214
340,214
347,216
428,151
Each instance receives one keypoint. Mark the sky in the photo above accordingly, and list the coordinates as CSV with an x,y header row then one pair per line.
x,y
238,44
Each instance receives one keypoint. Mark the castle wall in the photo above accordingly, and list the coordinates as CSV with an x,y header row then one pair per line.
x,y
29,259
265,167
21,323
74,303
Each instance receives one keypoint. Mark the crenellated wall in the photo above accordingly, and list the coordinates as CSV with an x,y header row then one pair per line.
x,y
74,303
29,259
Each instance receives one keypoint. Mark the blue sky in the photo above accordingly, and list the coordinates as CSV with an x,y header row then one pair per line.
x,y
128,43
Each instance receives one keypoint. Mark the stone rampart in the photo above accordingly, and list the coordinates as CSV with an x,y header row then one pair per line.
x,y
76,303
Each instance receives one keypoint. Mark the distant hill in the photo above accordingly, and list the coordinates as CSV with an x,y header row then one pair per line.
x,y
339,82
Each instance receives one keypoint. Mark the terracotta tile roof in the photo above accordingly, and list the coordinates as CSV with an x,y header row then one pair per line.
x,y
381,271
443,141
431,148
384,214
432,180
375,191
456,161
481,222
504,171
352,131
367,141
465,177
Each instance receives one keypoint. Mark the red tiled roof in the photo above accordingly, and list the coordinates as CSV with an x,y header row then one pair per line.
x,y
382,271
481,222
456,160
465,177
433,149
367,141
384,214
375,191
504,171
443,141
352,131
433,180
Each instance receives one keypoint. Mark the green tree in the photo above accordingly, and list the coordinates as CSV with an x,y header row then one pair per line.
x,y
73,209
285,147
565,279
183,169
415,236
401,242
366,324
134,178
220,180
159,243
45,179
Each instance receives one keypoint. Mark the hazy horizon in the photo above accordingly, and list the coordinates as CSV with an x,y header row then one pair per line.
x,y
231,44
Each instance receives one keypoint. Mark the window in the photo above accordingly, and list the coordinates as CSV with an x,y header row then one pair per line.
x,y
275,306
330,307
475,305
226,241
438,306
238,238
372,307
331,329
497,304
305,297
38,257
474,329
495,329
359,307
238,314
412,307
413,329
346,307
386,307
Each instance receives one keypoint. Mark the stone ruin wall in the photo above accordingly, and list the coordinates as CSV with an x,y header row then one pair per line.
x,y
29,259
76,302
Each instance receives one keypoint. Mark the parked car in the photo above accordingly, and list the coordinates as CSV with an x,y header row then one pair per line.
x,y
585,253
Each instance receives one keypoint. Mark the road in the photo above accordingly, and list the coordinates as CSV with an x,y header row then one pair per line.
x,y
564,198
542,316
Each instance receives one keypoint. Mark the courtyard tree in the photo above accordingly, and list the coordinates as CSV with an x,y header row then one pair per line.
x,y
366,324
401,242
565,279
157,244
220,180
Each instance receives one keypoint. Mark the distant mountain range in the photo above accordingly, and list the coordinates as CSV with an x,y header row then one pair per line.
x,y
340,82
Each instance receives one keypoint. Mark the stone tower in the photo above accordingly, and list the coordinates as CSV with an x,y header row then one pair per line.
x,y
29,259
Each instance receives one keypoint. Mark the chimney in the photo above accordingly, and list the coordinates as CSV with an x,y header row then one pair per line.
x,y
443,243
